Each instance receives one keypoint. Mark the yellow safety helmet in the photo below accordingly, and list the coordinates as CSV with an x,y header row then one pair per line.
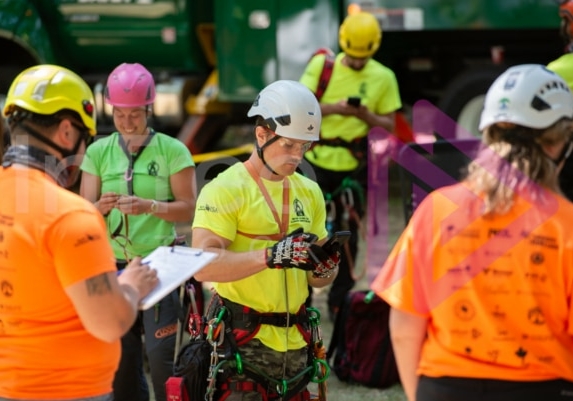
x,y
360,35
47,89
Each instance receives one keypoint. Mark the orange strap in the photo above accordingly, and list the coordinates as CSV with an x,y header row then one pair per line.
x,y
282,223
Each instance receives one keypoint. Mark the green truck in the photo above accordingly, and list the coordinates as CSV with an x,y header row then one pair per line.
x,y
211,57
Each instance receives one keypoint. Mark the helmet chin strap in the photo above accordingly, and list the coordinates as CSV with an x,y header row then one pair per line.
x,y
65,152
262,156
39,159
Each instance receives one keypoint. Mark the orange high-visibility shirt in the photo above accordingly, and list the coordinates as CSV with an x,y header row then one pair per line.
x,y
496,290
50,238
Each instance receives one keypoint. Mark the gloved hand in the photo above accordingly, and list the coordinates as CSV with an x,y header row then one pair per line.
x,y
324,262
291,251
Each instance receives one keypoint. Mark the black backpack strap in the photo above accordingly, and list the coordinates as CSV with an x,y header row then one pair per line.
x,y
338,327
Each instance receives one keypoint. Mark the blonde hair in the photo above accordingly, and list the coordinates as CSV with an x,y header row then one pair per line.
x,y
512,161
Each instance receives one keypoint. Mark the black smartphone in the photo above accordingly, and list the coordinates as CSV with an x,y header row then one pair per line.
x,y
354,101
339,237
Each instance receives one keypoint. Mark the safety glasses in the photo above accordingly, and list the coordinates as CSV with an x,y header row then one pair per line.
x,y
288,145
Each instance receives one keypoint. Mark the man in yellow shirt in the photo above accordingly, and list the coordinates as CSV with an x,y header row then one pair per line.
x,y
263,219
362,94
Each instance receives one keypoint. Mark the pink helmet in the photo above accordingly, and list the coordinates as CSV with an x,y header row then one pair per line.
x,y
130,85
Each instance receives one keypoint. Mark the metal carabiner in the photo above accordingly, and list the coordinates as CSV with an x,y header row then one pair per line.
x,y
214,332
348,199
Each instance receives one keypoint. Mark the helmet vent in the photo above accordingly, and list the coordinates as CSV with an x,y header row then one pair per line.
x,y
283,120
539,104
39,91
270,123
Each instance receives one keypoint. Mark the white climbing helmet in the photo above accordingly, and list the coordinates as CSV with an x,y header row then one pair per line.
x,y
290,110
529,95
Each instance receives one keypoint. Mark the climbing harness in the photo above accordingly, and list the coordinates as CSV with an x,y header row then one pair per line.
x,y
226,358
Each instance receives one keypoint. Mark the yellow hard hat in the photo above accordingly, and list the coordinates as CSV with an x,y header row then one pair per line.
x,y
360,35
47,89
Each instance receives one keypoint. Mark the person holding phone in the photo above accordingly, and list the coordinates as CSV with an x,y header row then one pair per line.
x,y
362,95
143,183
265,221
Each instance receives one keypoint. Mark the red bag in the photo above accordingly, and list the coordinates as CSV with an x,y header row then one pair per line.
x,y
175,389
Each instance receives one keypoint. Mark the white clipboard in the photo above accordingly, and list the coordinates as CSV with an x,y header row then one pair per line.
x,y
174,265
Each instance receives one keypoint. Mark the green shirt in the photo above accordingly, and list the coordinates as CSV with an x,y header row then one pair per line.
x,y
375,85
161,158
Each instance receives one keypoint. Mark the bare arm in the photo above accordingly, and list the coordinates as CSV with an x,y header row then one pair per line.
x,y
228,265
107,304
184,187
408,333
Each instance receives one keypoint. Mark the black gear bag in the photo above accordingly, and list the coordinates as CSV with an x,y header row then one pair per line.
x,y
361,344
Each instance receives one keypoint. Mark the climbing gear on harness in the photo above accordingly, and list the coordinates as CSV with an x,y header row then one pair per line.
x,y
226,361
358,147
319,352
344,195
291,252
330,213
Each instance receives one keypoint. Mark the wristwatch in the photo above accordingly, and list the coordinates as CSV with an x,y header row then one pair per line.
x,y
154,207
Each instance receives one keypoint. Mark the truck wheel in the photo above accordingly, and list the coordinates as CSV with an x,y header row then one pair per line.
x,y
464,96
7,75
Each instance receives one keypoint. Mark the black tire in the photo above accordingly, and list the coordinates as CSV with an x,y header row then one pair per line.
x,y
463,97
7,75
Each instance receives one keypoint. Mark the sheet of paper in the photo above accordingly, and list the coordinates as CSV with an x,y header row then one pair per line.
x,y
174,265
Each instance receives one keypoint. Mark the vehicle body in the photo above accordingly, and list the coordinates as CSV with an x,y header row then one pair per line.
x,y
211,58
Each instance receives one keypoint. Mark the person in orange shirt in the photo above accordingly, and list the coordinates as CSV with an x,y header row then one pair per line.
x,y
481,280
63,308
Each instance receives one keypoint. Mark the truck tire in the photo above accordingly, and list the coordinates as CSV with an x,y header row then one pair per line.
x,y
464,96
7,75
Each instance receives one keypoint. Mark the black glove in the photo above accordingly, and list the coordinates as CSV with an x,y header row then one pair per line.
x,y
291,251
324,262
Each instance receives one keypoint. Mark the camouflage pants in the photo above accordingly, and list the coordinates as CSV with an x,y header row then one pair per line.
x,y
269,362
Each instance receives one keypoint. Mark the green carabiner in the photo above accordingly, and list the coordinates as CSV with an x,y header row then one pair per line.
x,y
313,316
220,315
316,366
282,391
239,362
